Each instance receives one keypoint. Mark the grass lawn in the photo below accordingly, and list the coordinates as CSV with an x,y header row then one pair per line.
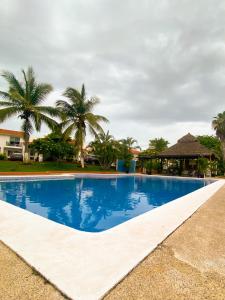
x,y
18,166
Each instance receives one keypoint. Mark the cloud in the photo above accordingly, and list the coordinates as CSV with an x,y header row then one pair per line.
x,y
157,66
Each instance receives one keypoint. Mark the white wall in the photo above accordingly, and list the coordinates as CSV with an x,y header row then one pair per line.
x,y
4,139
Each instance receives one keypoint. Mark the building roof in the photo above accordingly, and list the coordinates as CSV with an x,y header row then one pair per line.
x,y
187,146
135,151
11,132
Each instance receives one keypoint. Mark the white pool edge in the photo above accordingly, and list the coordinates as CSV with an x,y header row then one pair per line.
x,y
87,265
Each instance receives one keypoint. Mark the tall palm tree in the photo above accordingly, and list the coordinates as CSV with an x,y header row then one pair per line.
x,y
77,117
24,100
218,125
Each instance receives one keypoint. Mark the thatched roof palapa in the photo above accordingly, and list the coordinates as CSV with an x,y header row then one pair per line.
x,y
186,147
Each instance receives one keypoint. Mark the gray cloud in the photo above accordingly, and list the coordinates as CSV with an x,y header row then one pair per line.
x,y
155,65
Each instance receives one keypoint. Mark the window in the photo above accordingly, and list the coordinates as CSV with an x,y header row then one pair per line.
x,y
14,140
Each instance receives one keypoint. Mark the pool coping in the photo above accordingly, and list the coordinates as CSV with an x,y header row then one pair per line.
x,y
87,265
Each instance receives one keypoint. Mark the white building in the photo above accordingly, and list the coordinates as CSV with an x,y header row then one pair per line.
x,y
11,142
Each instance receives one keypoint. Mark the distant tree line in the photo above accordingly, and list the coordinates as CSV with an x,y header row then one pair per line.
x,y
70,120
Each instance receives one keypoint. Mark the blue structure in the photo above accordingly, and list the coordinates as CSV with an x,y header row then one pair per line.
x,y
121,168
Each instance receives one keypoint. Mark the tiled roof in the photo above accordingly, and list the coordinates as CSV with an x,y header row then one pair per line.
x,y
135,151
11,132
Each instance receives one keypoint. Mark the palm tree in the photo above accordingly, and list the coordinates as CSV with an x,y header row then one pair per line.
x,y
104,137
218,125
130,143
58,133
77,117
23,99
106,149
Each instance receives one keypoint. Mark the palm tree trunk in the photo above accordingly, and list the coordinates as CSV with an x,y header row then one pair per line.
x,y
82,156
81,142
26,157
78,147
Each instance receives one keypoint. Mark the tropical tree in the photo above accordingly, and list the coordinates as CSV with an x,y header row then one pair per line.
x,y
125,145
58,134
202,165
53,147
158,144
24,100
130,143
106,149
213,143
218,125
77,117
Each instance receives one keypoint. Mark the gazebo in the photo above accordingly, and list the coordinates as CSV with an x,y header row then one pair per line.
x,y
182,158
185,153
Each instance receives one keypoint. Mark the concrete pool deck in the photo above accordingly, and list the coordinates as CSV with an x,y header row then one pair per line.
x,y
185,266
86,266
189,264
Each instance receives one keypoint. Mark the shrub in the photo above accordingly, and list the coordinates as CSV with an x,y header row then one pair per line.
x,y
203,165
2,156
148,166
153,165
53,150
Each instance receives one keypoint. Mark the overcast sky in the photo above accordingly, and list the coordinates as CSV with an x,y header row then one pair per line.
x,y
158,67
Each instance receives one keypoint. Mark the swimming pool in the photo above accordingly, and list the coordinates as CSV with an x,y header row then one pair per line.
x,y
95,204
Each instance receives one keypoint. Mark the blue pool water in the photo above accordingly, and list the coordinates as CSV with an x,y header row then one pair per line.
x,y
95,204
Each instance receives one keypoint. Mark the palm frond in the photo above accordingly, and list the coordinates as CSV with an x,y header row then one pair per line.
x,y
31,76
37,121
6,103
83,92
100,118
4,95
218,125
26,84
8,112
65,123
105,137
30,82
69,130
63,105
47,120
13,82
40,92
17,99
73,95
93,131
93,120
90,104
14,97
65,110
52,111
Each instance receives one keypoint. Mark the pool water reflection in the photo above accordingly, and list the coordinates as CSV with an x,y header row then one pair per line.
x,y
95,204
